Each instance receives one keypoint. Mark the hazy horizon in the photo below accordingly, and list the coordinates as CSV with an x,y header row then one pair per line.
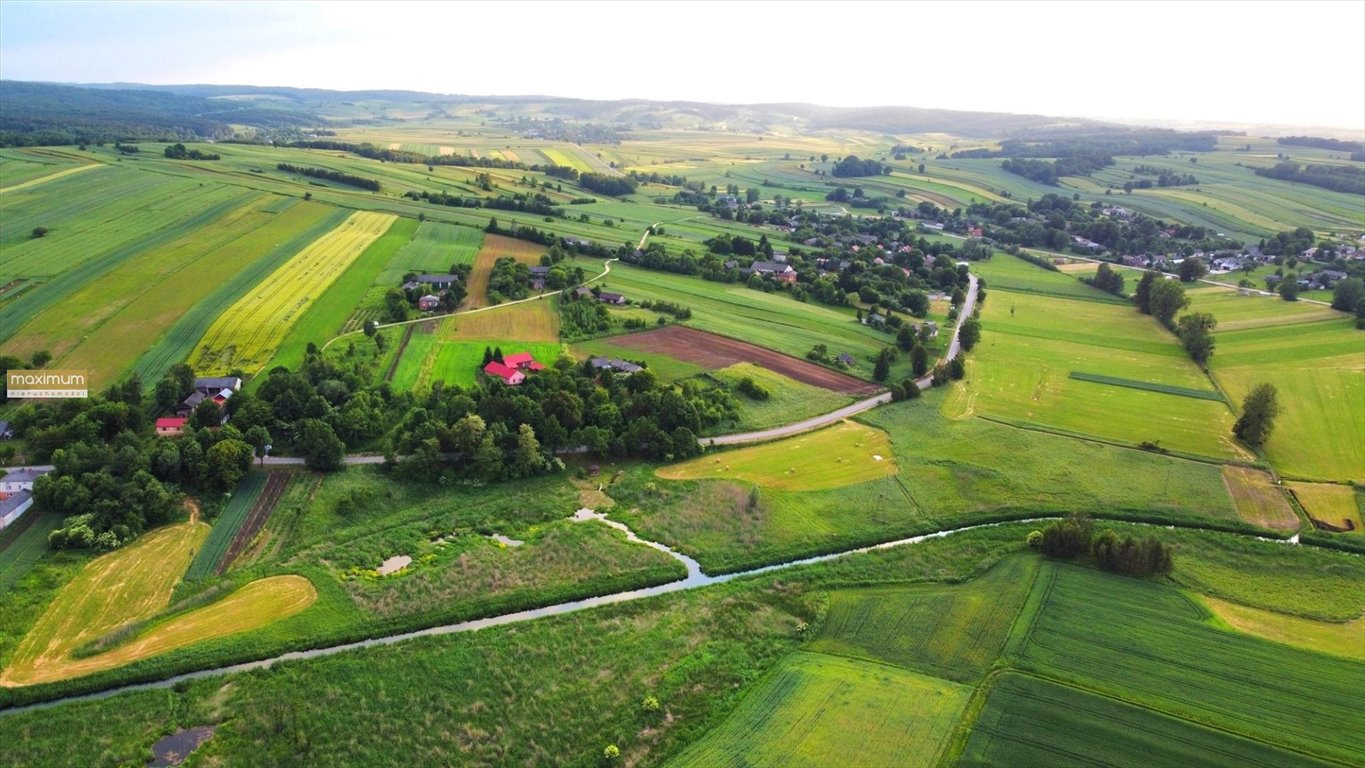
x,y
1189,64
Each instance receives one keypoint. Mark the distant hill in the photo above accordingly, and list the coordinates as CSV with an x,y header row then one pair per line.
x,y
45,113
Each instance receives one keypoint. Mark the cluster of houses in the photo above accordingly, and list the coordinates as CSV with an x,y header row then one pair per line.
x,y
16,493
215,389
440,285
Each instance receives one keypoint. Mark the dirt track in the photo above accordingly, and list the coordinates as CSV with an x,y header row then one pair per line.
x,y
712,352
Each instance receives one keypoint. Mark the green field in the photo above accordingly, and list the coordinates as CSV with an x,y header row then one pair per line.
x,y
1004,272
225,527
429,359
1154,647
1028,721
24,548
1312,355
1031,344
789,400
814,707
955,632
847,453
434,249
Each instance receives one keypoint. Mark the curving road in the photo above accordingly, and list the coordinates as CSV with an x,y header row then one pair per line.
x,y
924,382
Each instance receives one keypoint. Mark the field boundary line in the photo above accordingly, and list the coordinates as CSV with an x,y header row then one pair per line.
x,y
1031,427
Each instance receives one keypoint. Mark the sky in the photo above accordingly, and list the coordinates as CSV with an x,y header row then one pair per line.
x,y
1296,63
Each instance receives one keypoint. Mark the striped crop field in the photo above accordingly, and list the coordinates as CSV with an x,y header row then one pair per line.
x,y
225,528
1028,721
813,707
496,247
953,631
105,326
1156,647
247,334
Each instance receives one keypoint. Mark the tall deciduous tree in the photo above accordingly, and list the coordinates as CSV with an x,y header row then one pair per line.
x,y
1166,298
1259,410
1196,334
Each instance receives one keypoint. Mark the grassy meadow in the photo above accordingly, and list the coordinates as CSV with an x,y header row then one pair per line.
x,y
1312,355
1031,345
788,400
847,453
813,707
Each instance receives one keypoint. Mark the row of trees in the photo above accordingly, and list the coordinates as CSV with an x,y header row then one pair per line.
x,y
1340,178
178,152
349,179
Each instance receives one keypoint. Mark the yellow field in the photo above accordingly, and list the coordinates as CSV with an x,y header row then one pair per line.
x,y
529,321
1257,499
1346,639
255,605
1335,504
496,247
128,584
247,334
133,584
50,177
844,454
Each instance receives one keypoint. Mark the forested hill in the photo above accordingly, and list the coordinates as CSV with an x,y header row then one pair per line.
x,y
43,113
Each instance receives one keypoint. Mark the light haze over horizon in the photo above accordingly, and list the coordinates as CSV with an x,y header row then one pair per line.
x,y
1281,63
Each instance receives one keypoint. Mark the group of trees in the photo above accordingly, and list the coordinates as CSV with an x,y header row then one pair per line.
x,y
1107,279
601,183
1163,299
1074,537
350,180
178,152
537,203
509,280
1053,220
852,166
492,432
1340,178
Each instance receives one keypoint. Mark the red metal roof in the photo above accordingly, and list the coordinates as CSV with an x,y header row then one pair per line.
x,y
171,422
518,359
502,371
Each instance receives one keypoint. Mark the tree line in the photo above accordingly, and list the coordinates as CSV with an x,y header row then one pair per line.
x,y
1074,538
1339,178
178,152
339,177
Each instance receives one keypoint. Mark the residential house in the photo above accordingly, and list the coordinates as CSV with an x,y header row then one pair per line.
x,y
212,385
437,282
14,506
509,376
874,319
522,360
582,292
428,302
611,298
620,366
20,480
171,426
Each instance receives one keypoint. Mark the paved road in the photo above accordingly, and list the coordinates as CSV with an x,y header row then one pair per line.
x,y
924,382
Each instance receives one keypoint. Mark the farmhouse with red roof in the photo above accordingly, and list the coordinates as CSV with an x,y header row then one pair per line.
x,y
510,376
510,370
170,426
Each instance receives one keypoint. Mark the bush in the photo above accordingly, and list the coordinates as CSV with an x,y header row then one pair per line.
x,y
753,389
1034,540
